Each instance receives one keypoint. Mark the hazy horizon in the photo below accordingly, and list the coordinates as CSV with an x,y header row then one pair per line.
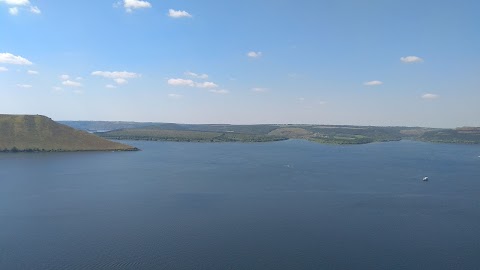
x,y
378,63
201,123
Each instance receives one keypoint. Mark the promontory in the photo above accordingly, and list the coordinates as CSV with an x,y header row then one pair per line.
x,y
36,133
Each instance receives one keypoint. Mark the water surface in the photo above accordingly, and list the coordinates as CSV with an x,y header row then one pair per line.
x,y
281,205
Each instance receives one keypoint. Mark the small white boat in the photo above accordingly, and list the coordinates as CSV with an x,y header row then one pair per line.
x,y
425,178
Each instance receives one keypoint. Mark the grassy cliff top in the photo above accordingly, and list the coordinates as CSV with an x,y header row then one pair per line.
x,y
40,133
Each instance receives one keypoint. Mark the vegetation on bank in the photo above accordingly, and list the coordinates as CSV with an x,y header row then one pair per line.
x,y
263,133
465,135
329,134
155,134
342,140
36,133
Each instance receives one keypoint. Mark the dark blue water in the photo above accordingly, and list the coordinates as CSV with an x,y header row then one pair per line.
x,y
283,205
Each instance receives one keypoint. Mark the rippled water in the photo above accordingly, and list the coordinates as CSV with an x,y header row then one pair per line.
x,y
282,205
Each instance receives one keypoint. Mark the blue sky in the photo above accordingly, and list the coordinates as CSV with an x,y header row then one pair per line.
x,y
370,62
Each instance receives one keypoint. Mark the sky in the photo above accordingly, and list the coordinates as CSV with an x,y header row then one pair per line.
x,y
359,62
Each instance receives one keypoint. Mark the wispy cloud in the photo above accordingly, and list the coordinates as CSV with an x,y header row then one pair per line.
x,y
175,96
373,83
110,86
260,89
24,85
32,72
219,91
3,69
130,5
430,96
13,11
120,77
66,81
8,58
116,74
72,83
190,83
17,4
178,14
253,54
35,10
196,76
411,59
181,82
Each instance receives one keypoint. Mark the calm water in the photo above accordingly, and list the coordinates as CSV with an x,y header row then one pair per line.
x,y
284,205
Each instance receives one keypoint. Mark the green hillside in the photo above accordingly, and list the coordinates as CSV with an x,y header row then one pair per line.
x,y
39,133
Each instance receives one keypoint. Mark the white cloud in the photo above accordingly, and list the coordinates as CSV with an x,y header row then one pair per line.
x,y
13,11
32,72
259,89
301,99
411,59
253,54
178,14
20,3
373,83
195,75
130,5
206,85
3,69
16,2
322,102
120,81
430,96
71,83
219,91
116,74
35,9
57,89
191,83
181,82
8,58
120,77
78,92
110,86
24,85
175,96
79,78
